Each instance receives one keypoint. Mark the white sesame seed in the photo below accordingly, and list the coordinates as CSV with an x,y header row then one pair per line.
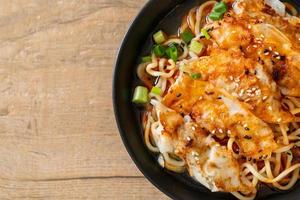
x,y
276,53
270,108
252,95
278,57
229,132
193,128
255,46
245,125
213,131
247,100
279,120
201,97
231,78
253,89
188,138
267,53
241,93
270,48
249,91
220,130
262,36
264,98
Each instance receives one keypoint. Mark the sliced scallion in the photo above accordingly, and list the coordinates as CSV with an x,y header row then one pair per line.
x,y
146,59
220,7
140,95
218,11
196,47
195,76
159,50
156,90
205,33
215,16
159,37
172,52
187,36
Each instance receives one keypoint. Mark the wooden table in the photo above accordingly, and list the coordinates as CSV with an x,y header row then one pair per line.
x,y
58,137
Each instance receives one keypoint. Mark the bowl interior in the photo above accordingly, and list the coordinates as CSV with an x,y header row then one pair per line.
x,y
165,15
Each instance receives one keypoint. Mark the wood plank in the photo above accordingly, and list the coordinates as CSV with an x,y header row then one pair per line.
x,y
106,188
56,98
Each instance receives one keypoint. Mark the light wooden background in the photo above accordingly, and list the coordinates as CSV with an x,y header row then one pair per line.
x,y
58,137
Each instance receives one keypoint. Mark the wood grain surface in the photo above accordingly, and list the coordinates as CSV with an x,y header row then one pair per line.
x,y
58,137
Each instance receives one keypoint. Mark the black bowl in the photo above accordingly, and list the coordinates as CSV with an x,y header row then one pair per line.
x,y
166,15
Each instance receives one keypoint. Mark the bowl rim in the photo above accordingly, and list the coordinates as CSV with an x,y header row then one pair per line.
x,y
132,25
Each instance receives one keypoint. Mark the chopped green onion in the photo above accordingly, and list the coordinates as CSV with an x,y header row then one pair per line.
x,y
196,47
205,33
215,16
140,95
159,50
156,90
159,37
146,59
218,11
220,7
172,52
195,76
187,36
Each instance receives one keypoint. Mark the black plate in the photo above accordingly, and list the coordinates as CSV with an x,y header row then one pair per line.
x,y
166,15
